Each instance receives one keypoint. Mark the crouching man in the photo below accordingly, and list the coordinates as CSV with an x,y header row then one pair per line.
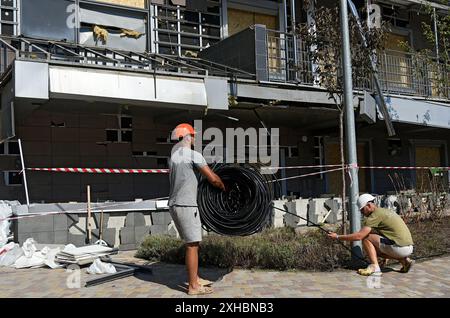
x,y
395,241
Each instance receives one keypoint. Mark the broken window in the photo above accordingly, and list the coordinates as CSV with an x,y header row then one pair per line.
x,y
123,29
185,29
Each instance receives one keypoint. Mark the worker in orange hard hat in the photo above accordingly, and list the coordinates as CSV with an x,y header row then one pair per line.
x,y
183,163
182,130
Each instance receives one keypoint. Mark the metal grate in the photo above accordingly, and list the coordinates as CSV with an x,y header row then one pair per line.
x,y
9,17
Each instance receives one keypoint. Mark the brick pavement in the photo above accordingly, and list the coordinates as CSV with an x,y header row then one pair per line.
x,y
429,278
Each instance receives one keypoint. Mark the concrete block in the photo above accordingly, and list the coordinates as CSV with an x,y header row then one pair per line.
x,y
127,247
139,219
161,218
60,222
127,235
140,233
60,237
135,219
159,229
39,237
173,230
97,217
312,211
108,235
129,220
289,219
277,215
36,224
76,239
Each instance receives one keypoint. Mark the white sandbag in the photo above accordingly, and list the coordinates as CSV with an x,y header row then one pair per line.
x,y
98,267
11,256
29,247
5,212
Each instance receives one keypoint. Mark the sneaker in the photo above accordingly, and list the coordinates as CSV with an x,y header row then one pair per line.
x,y
369,271
406,268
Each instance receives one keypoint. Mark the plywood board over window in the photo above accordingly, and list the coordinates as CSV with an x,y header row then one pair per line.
x,y
239,20
428,156
129,3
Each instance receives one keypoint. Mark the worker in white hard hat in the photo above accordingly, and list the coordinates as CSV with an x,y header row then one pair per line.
x,y
394,240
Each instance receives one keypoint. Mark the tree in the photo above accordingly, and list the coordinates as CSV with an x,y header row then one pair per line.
x,y
324,37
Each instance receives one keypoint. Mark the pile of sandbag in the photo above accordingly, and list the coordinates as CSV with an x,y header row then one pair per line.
x,y
28,256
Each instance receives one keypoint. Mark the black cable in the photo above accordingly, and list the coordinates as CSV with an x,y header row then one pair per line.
x,y
326,231
246,205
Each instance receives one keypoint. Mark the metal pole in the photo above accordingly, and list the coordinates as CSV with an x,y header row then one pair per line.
x,y
88,222
24,172
355,220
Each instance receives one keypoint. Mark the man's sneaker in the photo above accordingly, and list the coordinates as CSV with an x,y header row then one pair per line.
x,y
369,271
406,268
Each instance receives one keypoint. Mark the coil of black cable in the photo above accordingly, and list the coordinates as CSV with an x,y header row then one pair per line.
x,y
244,208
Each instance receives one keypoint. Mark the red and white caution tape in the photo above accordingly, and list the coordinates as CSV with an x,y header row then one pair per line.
x,y
100,170
402,168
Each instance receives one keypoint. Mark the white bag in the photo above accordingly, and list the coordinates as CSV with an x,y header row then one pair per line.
x,y
98,267
11,256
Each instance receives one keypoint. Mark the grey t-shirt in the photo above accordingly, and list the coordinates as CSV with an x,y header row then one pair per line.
x,y
183,181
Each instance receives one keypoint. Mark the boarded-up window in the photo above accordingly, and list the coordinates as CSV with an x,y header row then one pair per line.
x,y
396,64
239,20
428,157
129,3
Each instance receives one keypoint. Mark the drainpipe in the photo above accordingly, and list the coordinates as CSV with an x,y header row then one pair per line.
x,y
355,220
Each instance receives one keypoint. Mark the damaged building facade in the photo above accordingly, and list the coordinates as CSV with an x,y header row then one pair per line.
x,y
101,84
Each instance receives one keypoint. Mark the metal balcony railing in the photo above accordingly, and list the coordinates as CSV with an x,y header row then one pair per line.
x,y
411,74
289,60
70,54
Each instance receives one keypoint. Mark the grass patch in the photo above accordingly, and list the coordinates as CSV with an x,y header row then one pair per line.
x,y
284,249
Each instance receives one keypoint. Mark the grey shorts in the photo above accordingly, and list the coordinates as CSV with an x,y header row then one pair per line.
x,y
187,222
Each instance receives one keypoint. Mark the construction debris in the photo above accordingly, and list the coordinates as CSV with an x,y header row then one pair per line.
x,y
98,267
83,255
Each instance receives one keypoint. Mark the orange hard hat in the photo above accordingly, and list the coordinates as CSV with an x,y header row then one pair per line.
x,y
182,130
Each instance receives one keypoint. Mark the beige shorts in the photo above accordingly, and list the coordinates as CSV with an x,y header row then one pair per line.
x,y
396,251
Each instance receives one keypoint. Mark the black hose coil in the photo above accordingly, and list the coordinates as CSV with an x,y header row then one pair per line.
x,y
244,208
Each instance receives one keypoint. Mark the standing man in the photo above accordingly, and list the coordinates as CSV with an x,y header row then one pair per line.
x,y
394,242
183,200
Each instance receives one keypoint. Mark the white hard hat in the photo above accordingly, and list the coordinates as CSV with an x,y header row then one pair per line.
x,y
364,199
